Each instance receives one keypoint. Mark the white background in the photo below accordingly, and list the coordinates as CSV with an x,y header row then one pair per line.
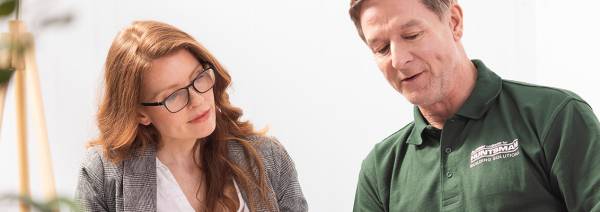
x,y
298,67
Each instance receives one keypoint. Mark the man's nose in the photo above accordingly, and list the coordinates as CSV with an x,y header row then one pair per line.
x,y
400,56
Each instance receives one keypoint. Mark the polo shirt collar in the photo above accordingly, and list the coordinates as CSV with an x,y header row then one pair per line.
x,y
420,125
487,88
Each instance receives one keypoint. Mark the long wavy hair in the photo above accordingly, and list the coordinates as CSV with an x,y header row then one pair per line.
x,y
121,135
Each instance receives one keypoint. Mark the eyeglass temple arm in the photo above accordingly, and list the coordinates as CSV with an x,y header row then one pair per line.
x,y
152,103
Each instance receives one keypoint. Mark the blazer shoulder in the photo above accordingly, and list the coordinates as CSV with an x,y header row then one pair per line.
x,y
266,145
95,162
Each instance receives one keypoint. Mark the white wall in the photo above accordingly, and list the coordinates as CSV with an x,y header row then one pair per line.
x,y
298,67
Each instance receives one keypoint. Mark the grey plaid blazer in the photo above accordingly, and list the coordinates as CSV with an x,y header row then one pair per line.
x,y
131,184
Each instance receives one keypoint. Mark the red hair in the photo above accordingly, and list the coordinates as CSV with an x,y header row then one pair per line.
x,y
130,55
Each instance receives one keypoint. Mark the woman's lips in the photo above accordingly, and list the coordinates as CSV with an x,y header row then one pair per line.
x,y
200,118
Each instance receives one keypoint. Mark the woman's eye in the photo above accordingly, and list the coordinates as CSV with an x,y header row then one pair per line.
x,y
201,75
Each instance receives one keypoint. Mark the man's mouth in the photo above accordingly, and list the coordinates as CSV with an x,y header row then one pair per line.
x,y
412,77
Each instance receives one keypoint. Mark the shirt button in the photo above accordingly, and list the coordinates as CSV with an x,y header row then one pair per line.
x,y
448,150
449,174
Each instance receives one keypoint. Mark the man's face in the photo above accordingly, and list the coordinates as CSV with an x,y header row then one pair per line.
x,y
416,50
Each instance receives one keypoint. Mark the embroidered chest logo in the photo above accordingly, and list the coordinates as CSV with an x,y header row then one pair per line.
x,y
500,150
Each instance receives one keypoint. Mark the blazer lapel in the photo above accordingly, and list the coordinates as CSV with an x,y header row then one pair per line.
x,y
238,156
139,181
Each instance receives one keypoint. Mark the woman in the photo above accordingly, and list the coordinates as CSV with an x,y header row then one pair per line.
x,y
170,140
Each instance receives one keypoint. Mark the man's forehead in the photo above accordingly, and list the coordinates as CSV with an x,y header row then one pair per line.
x,y
373,12
373,22
406,25
396,5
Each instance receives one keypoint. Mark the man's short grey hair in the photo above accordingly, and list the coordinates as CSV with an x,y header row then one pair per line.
x,y
439,7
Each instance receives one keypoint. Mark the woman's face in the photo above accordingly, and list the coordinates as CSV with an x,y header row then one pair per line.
x,y
169,74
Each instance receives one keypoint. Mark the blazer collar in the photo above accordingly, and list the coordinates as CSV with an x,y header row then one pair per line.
x,y
139,180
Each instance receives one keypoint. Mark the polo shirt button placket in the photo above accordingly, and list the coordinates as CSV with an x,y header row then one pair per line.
x,y
448,150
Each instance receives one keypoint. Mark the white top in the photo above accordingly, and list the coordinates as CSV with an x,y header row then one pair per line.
x,y
170,197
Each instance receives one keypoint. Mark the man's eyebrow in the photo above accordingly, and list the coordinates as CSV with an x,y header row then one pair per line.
x,y
411,23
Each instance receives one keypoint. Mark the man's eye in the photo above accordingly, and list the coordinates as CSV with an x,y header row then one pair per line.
x,y
412,36
383,50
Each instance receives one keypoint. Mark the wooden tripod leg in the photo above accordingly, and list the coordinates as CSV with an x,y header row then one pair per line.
x,y
35,94
3,88
22,137
16,29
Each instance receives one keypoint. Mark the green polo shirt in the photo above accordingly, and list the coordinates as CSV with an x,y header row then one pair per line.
x,y
511,147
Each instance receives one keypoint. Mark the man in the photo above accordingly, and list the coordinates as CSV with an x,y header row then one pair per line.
x,y
477,142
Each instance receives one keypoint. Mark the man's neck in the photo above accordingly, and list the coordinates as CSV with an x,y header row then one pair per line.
x,y
437,113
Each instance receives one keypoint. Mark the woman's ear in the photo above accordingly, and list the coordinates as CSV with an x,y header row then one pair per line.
x,y
143,118
456,21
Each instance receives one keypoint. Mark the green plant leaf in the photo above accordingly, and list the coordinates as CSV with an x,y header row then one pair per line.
x,y
41,205
7,7
5,75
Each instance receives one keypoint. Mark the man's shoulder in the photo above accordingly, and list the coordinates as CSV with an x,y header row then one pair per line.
x,y
540,95
540,105
396,138
536,100
391,144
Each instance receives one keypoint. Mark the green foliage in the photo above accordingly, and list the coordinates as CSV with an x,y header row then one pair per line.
x,y
41,205
7,7
5,75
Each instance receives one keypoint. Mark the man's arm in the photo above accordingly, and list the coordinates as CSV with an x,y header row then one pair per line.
x,y
367,197
572,150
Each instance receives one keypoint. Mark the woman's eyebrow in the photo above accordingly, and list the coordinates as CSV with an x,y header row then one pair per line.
x,y
197,69
173,86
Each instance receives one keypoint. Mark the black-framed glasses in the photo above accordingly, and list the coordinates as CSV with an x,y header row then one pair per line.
x,y
180,98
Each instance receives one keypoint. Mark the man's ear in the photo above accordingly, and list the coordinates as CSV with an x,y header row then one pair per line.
x,y
143,118
456,21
